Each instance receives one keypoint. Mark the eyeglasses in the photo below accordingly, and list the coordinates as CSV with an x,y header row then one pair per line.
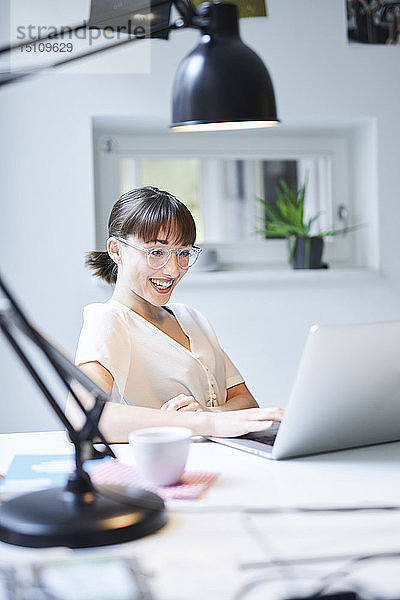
x,y
158,257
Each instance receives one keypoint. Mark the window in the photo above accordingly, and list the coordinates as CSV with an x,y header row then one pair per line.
x,y
180,176
219,177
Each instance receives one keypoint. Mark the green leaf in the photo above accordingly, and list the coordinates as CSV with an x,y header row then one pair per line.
x,y
335,232
286,218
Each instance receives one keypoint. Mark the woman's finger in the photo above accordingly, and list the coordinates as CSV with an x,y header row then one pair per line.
x,y
172,401
188,408
258,425
192,406
260,414
178,402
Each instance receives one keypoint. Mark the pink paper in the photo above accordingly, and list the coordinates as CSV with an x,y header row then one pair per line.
x,y
191,486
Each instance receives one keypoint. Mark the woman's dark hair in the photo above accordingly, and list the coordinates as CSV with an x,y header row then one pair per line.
x,y
144,212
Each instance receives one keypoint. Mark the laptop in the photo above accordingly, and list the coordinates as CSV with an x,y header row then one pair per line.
x,y
346,394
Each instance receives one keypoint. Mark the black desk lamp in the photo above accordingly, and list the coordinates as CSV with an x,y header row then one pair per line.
x,y
77,515
220,85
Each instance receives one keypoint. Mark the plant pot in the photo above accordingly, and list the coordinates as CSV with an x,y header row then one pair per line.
x,y
306,253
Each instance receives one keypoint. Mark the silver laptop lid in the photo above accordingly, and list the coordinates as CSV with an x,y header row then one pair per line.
x,y
346,392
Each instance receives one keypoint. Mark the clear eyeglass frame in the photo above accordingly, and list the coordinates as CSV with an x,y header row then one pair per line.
x,y
186,257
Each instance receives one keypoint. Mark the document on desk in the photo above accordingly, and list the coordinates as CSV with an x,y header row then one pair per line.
x,y
76,578
305,552
30,472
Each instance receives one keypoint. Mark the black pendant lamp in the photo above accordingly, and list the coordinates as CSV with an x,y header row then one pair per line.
x,y
222,84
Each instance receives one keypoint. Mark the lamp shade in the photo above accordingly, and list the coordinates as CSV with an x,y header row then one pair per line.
x,y
222,83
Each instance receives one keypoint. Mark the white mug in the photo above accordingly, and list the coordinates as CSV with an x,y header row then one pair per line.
x,y
161,452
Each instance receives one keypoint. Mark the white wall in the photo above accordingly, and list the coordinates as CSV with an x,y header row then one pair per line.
x,y
47,210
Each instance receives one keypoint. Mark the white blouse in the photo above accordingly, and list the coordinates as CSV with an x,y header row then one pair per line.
x,y
147,365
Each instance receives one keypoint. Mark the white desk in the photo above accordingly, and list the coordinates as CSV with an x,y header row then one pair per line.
x,y
208,546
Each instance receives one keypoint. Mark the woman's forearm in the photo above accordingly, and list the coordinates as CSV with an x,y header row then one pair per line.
x,y
118,420
238,402
238,397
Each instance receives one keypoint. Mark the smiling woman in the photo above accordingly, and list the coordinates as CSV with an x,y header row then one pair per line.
x,y
149,356
143,213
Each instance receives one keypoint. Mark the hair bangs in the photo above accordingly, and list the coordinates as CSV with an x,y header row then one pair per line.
x,y
162,217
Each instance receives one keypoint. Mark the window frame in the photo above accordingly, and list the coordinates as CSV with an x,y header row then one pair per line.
x,y
291,143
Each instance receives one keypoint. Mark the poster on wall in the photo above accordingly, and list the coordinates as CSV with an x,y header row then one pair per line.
x,y
373,21
247,8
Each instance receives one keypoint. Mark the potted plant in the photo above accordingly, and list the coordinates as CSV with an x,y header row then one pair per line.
x,y
287,219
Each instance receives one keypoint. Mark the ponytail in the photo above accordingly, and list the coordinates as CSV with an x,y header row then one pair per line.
x,y
102,265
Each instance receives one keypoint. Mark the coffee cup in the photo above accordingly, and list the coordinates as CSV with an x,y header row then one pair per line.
x,y
160,453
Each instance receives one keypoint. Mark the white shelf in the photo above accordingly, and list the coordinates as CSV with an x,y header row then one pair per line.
x,y
279,275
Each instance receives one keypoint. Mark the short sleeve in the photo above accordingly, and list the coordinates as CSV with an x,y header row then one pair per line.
x,y
233,377
105,338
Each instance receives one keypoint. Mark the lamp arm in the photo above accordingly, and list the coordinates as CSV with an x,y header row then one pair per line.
x,y
98,24
71,29
111,46
53,355
188,18
33,373
82,438
11,77
12,317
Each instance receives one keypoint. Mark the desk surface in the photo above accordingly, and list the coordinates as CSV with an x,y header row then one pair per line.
x,y
209,547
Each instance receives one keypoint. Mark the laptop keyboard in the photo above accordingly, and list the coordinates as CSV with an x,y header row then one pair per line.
x,y
264,437
259,442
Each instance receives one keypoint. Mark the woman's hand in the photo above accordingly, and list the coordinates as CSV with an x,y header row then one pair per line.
x,y
240,422
183,402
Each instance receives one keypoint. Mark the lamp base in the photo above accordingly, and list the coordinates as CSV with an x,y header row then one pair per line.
x,y
58,517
